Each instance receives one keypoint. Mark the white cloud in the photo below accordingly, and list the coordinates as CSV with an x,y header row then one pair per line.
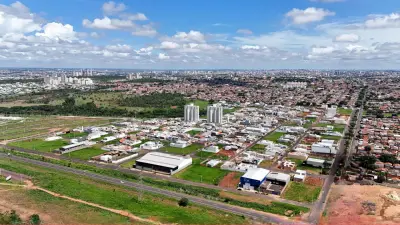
x,y
119,48
384,21
94,35
137,16
252,47
145,31
322,50
244,31
108,24
17,18
308,15
347,38
58,31
191,36
163,56
169,45
111,8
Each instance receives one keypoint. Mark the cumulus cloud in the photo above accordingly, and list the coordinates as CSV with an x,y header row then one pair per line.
x,y
309,15
17,18
111,8
163,56
347,38
169,45
322,50
244,31
119,24
58,31
384,21
191,36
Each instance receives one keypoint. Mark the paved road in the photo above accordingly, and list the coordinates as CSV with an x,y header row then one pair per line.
x,y
319,205
158,176
264,217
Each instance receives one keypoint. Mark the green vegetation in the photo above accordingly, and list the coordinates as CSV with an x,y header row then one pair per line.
x,y
74,135
193,132
274,136
345,112
329,137
279,208
302,192
128,164
258,148
201,103
86,153
10,218
336,127
40,145
232,110
183,151
156,100
301,166
144,205
173,186
35,125
202,174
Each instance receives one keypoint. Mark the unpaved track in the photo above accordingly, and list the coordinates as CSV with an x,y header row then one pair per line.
x,y
31,186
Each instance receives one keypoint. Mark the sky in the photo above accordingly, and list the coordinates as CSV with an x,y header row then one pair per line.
x,y
207,34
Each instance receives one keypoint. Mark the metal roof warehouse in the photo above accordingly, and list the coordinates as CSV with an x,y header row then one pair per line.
x,y
163,162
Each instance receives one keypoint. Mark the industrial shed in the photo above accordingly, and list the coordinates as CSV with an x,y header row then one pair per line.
x,y
163,162
253,178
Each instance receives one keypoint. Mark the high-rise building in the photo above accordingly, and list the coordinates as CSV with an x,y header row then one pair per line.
x,y
214,113
192,113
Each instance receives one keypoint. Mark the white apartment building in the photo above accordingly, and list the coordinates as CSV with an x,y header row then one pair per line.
x,y
215,113
192,113
331,112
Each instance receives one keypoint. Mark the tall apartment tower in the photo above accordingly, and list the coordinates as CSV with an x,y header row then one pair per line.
x,y
215,113
192,113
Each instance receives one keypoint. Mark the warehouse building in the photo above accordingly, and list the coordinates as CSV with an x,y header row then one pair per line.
x,y
253,178
163,162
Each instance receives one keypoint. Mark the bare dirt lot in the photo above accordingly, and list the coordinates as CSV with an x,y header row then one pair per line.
x,y
363,205
231,180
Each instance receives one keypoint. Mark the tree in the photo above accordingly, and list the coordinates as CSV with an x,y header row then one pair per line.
x,y
388,158
367,149
69,102
14,217
183,202
381,177
368,162
35,219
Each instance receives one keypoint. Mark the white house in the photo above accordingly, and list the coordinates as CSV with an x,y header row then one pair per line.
x,y
324,147
213,149
150,145
180,144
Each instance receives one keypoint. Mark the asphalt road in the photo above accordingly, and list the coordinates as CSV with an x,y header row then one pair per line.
x,y
158,176
257,215
319,205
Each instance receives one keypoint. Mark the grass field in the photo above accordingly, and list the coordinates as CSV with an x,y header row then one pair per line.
x,y
182,151
202,174
329,137
302,192
274,136
300,166
53,210
201,103
86,153
128,164
193,132
74,134
160,208
40,145
344,112
44,125
258,148
336,127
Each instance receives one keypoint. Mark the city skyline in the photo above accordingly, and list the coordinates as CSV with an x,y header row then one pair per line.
x,y
309,34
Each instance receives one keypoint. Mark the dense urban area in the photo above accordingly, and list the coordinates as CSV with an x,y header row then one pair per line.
x,y
199,147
